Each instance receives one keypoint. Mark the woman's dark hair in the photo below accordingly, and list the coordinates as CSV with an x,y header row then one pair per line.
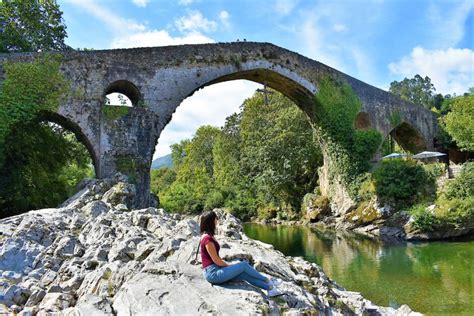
x,y
208,224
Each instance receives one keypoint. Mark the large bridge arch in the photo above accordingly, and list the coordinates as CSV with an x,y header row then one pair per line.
x,y
297,89
71,126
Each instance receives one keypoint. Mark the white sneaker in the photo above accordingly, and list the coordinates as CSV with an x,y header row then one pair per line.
x,y
274,292
275,282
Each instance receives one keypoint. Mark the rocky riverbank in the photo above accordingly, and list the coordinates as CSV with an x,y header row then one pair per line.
x,y
94,256
374,220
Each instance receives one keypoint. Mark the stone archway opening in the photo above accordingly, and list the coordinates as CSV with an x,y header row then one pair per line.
x,y
363,121
47,158
122,93
221,90
72,130
408,138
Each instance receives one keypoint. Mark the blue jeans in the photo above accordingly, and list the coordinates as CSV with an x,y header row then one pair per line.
x,y
241,271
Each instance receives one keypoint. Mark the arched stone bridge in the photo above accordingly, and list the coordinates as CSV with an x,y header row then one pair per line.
x,y
158,79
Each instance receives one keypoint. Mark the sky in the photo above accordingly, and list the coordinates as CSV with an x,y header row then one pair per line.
x,y
376,41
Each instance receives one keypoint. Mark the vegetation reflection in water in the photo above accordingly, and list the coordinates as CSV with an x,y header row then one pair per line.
x,y
433,278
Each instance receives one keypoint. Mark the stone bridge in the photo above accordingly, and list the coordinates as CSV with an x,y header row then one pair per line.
x,y
158,79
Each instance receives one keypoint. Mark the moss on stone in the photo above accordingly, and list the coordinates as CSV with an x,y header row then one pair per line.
x,y
114,112
364,213
130,166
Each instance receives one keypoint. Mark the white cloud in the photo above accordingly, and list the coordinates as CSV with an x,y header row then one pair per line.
x,y
195,22
285,7
451,70
141,3
448,26
209,106
224,17
316,43
128,33
117,24
158,38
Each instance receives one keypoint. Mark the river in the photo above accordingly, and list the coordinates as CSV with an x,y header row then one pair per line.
x,y
435,278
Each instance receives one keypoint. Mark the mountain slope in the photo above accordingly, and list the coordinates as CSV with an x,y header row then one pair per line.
x,y
162,162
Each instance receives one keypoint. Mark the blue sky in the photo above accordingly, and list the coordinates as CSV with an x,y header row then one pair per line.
x,y
376,41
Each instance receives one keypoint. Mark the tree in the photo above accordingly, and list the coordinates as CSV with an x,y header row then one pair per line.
x,y
418,90
193,165
31,25
459,122
43,164
278,151
40,163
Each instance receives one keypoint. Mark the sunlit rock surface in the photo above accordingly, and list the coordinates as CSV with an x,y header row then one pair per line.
x,y
94,256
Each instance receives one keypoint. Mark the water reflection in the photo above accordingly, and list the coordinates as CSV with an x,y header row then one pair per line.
x,y
434,278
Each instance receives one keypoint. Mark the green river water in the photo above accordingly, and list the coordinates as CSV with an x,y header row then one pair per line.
x,y
435,278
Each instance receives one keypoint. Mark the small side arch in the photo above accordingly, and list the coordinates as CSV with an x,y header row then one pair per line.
x,y
409,138
126,88
363,121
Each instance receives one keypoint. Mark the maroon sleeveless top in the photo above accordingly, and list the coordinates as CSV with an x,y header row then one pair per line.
x,y
205,257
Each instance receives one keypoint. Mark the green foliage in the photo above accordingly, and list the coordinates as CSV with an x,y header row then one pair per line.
x,y
418,90
424,219
161,179
114,112
263,158
278,152
28,89
40,163
461,187
399,182
193,165
242,201
349,150
434,170
367,188
42,166
447,213
457,211
29,26
459,122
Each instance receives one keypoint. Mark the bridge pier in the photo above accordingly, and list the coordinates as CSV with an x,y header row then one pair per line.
x,y
127,141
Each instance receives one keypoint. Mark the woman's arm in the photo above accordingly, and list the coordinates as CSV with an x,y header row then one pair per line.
x,y
211,249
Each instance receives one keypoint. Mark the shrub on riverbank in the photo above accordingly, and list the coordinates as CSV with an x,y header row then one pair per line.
x,y
399,182
462,186
454,206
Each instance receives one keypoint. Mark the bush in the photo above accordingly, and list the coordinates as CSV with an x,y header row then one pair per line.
x,y
456,211
179,198
399,182
461,187
242,204
267,212
214,200
425,220
434,170
366,189
161,179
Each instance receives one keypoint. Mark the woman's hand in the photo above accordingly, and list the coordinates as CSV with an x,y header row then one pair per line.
x,y
211,249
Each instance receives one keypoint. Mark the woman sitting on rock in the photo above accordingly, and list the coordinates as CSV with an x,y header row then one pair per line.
x,y
217,271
